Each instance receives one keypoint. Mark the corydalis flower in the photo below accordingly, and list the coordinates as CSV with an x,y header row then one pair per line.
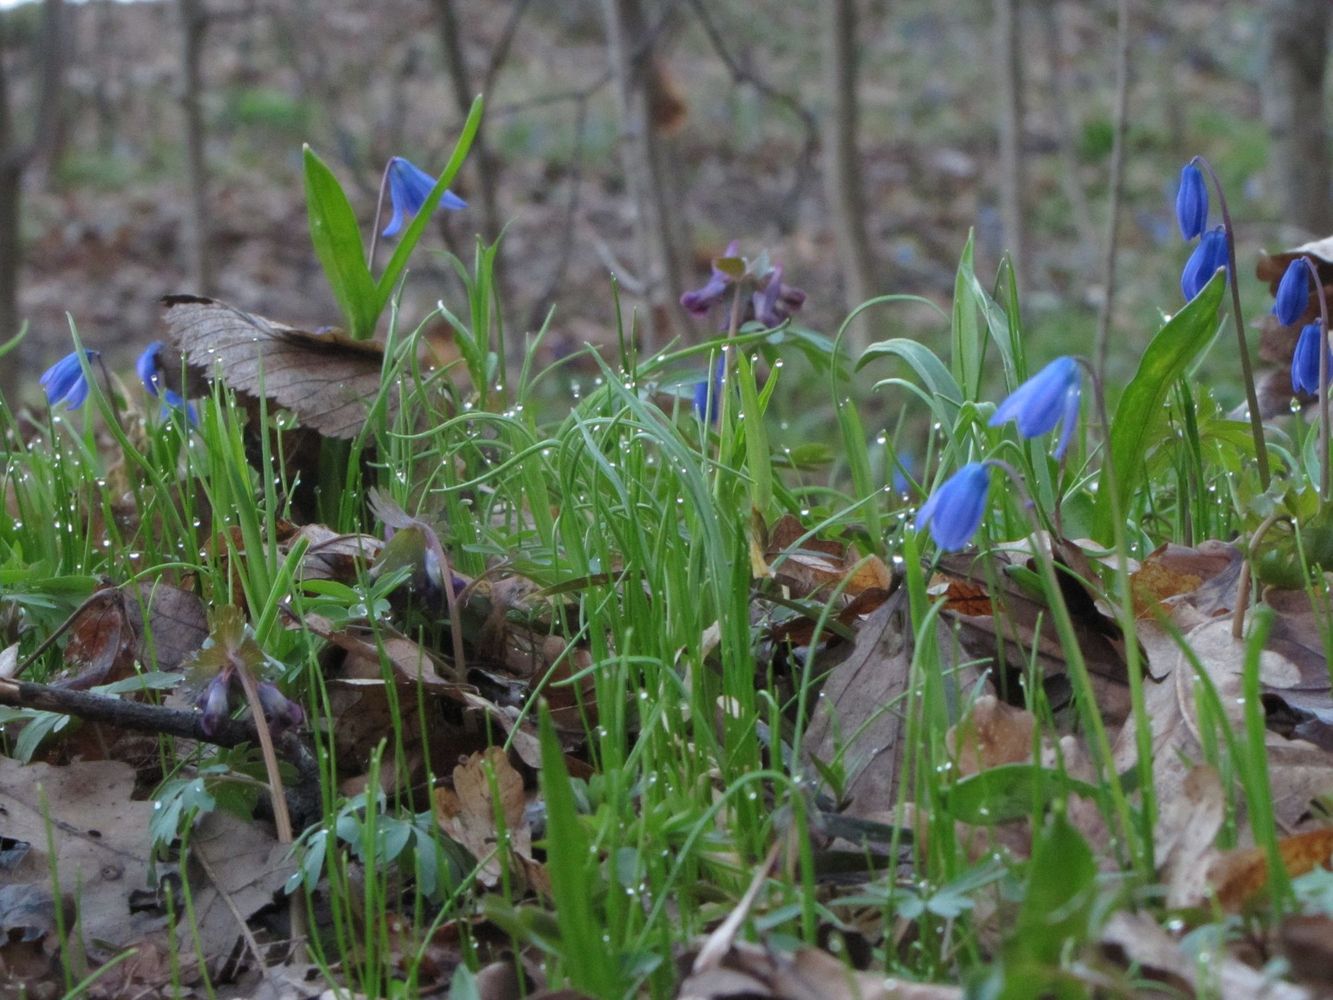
x,y
1305,360
1043,401
1293,293
953,512
772,302
409,186
64,382
1204,262
1192,202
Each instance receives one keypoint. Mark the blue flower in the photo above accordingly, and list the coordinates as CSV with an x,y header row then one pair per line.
x,y
1043,401
409,186
1192,202
64,381
149,368
1305,360
708,393
953,512
146,366
1208,256
1293,293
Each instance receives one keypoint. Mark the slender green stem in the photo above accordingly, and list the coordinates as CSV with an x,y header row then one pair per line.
x,y
1247,370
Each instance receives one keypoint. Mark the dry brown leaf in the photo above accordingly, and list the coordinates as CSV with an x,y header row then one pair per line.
x,y
1176,580
467,812
991,734
327,380
1137,940
753,971
809,565
859,716
1187,825
1239,877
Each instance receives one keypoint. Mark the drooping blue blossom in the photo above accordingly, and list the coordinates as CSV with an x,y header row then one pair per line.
x,y
1305,359
954,511
1192,202
148,367
1048,398
64,382
409,186
708,393
1208,256
1293,293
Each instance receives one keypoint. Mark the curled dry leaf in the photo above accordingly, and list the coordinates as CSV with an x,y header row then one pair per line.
x,y
1240,877
111,631
1189,585
327,379
810,565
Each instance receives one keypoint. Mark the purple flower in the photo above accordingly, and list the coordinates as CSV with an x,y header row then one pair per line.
x,y
708,393
953,512
1305,359
775,302
282,713
64,381
215,702
409,186
1192,203
1293,293
148,365
1043,401
701,300
1208,256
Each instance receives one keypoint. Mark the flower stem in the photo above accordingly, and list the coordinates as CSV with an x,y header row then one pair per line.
x,y
375,229
1247,370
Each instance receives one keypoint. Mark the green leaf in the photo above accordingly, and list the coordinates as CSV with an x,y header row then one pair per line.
x,y
1140,415
967,345
571,865
337,240
394,269
1007,792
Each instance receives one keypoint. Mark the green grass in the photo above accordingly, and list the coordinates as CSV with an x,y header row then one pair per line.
x,y
637,527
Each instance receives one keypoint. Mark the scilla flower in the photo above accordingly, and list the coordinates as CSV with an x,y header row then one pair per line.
x,y
1043,401
1208,256
1305,360
953,512
708,393
64,381
148,366
1293,293
409,187
1192,202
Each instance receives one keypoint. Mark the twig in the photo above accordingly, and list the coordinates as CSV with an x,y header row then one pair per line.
x,y
1117,188
160,720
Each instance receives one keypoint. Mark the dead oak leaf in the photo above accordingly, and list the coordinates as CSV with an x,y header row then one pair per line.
x,y
467,813
328,380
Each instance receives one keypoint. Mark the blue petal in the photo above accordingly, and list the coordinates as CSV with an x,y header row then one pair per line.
x,y
954,512
146,366
1305,360
1040,403
1204,262
1070,418
409,187
395,224
64,381
1192,202
1293,293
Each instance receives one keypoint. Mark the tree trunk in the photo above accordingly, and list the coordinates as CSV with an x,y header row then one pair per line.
x,y
1009,90
1297,53
198,252
15,157
630,48
842,165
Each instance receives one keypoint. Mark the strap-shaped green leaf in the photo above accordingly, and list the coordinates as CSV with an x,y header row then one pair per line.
x,y
1139,416
394,269
337,240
